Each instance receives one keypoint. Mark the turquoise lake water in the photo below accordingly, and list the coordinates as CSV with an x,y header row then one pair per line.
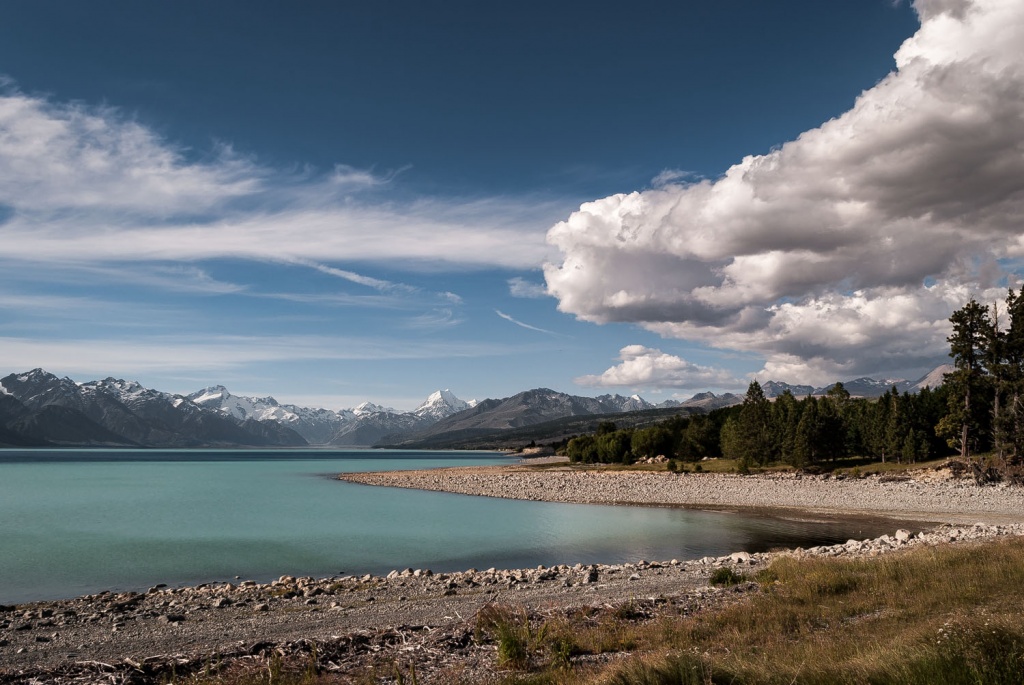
x,y
79,521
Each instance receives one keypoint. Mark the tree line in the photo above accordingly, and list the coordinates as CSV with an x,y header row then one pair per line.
x,y
985,410
978,409
789,430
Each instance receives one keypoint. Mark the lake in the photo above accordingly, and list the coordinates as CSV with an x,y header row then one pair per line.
x,y
79,521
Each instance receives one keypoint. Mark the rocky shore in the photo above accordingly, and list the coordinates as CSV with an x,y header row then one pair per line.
x,y
409,618
417,619
928,495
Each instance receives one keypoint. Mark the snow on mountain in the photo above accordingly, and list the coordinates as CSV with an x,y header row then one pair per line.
x,y
441,405
361,425
259,408
371,408
618,403
129,393
113,411
317,426
868,387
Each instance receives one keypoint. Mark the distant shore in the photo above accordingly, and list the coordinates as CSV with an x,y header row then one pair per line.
x,y
921,495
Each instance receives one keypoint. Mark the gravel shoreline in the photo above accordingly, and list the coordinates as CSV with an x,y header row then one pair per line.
x,y
929,495
351,624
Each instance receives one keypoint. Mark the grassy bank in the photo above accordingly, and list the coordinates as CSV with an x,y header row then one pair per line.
x,y
949,614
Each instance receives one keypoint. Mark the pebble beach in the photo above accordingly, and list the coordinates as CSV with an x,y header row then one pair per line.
x,y
928,495
352,623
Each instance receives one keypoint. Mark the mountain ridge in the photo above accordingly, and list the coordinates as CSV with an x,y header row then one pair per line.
x,y
38,409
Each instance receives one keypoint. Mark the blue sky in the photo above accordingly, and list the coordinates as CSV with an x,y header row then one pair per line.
x,y
331,202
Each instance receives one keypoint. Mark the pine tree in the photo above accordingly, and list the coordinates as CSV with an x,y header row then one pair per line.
x,y
995,362
963,424
753,429
834,410
808,434
785,417
1012,417
898,424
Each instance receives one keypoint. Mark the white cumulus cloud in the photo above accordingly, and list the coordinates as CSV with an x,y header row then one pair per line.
x,y
651,368
846,249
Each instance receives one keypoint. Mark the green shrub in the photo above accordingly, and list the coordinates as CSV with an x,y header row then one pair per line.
x,y
726,576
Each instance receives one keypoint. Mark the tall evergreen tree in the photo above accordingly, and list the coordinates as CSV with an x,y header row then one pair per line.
x,y
785,416
1012,417
898,425
807,446
964,423
753,428
834,409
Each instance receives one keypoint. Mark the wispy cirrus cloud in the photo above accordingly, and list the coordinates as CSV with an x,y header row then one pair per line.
x,y
519,323
190,354
90,184
437,319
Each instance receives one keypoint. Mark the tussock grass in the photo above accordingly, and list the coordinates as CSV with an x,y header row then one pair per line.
x,y
948,614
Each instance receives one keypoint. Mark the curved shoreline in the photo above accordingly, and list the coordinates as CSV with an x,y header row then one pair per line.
x,y
359,620
926,497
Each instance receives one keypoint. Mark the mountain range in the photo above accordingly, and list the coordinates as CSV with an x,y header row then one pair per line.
x,y
39,409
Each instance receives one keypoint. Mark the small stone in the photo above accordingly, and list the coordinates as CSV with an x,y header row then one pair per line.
x,y
171,618
261,607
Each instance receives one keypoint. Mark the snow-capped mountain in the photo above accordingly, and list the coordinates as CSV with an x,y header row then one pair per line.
x,y
317,426
371,408
441,405
38,408
118,412
364,424
619,403
777,388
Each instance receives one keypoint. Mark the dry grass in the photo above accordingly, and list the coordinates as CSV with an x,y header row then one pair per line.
x,y
949,614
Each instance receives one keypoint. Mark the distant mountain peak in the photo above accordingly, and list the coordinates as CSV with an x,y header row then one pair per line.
x,y
440,405
371,408
115,411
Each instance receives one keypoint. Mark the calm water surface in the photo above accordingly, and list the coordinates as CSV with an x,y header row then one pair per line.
x,y
80,521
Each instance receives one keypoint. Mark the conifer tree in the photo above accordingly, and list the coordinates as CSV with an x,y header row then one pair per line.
x,y
1012,417
785,416
753,434
964,423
